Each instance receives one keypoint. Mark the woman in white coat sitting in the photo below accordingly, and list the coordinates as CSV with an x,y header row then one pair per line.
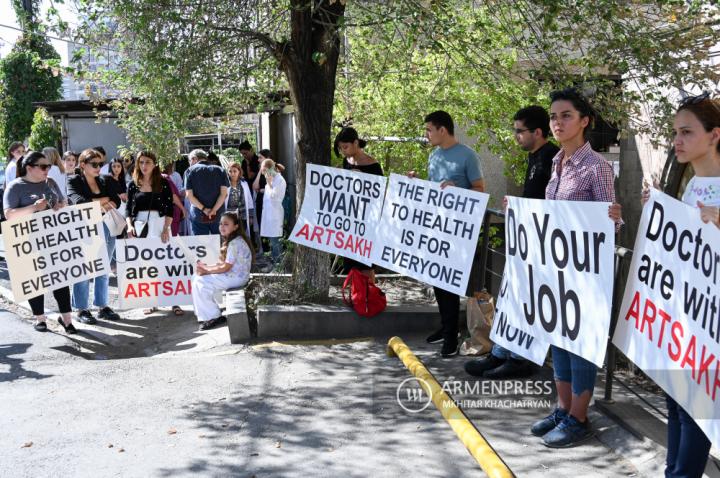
x,y
273,214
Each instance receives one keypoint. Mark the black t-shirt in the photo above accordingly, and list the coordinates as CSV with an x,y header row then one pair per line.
x,y
373,168
539,171
252,165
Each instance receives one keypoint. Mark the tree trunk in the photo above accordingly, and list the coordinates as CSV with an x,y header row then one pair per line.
x,y
309,62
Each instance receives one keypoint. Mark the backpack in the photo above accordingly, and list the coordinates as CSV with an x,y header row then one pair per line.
x,y
365,298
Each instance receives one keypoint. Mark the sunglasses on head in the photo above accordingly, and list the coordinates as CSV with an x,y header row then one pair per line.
x,y
43,167
693,100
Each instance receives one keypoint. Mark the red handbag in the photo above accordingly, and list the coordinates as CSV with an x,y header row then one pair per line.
x,y
365,297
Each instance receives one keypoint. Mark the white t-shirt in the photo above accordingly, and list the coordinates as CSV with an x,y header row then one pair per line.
x,y
59,178
703,189
10,172
240,256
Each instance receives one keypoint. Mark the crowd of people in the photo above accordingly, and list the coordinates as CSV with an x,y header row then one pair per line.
x,y
154,203
244,204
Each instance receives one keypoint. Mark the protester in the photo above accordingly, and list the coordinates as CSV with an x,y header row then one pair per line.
x,y
273,212
239,198
34,192
175,177
251,171
117,179
129,165
90,186
232,270
349,145
579,174
70,162
697,141
149,205
206,188
16,151
531,127
57,170
179,211
450,164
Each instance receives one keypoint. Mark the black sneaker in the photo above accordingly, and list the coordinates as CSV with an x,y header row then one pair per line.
x,y
109,314
512,368
436,337
40,326
86,317
449,348
541,427
478,367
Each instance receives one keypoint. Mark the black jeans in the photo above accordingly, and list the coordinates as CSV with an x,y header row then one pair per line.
x,y
449,305
62,297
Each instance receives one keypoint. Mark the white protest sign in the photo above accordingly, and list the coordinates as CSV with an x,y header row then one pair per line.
x,y
153,274
559,264
430,233
511,338
340,212
49,250
669,320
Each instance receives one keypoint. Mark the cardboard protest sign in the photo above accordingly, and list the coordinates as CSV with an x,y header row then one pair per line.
x,y
153,274
49,250
430,233
669,320
340,212
559,265
511,338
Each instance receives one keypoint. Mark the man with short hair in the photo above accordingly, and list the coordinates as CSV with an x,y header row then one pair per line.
x,y
251,168
206,187
532,127
450,164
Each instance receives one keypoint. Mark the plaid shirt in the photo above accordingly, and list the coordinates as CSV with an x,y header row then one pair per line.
x,y
586,176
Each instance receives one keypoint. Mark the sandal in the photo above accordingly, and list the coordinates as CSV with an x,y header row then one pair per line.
x,y
177,310
149,311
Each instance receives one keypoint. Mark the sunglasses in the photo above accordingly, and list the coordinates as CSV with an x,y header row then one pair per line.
x,y
693,100
518,130
95,165
43,167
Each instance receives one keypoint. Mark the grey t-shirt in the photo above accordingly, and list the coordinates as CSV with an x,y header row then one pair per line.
x,y
22,193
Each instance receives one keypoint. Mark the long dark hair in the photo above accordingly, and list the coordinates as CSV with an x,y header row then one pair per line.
x,y
30,159
239,232
347,135
580,103
155,176
13,146
122,169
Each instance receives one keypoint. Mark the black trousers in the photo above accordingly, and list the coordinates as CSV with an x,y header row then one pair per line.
x,y
449,305
62,297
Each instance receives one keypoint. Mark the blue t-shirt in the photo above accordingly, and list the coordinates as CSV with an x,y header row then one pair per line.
x,y
459,164
205,181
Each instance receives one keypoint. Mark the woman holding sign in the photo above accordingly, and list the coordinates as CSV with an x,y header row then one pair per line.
x,y
90,186
34,192
579,174
150,205
697,141
350,146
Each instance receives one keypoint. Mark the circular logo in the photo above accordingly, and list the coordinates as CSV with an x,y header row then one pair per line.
x,y
411,395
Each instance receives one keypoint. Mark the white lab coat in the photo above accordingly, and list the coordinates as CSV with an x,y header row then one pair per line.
x,y
273,214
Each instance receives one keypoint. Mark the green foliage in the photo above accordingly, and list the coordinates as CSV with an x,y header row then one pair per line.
x,y
28,74
43,132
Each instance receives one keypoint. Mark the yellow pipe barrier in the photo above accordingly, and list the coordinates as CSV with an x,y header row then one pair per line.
x,y
475,443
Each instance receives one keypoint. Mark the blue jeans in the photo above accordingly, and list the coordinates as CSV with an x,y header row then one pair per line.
x,y
203,229
276,248
81,290
573,369
688,447
503,353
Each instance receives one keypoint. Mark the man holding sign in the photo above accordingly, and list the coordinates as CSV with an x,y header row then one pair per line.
x,y
450,164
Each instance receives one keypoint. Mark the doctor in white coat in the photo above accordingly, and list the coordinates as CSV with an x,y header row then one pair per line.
x,y
271,225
